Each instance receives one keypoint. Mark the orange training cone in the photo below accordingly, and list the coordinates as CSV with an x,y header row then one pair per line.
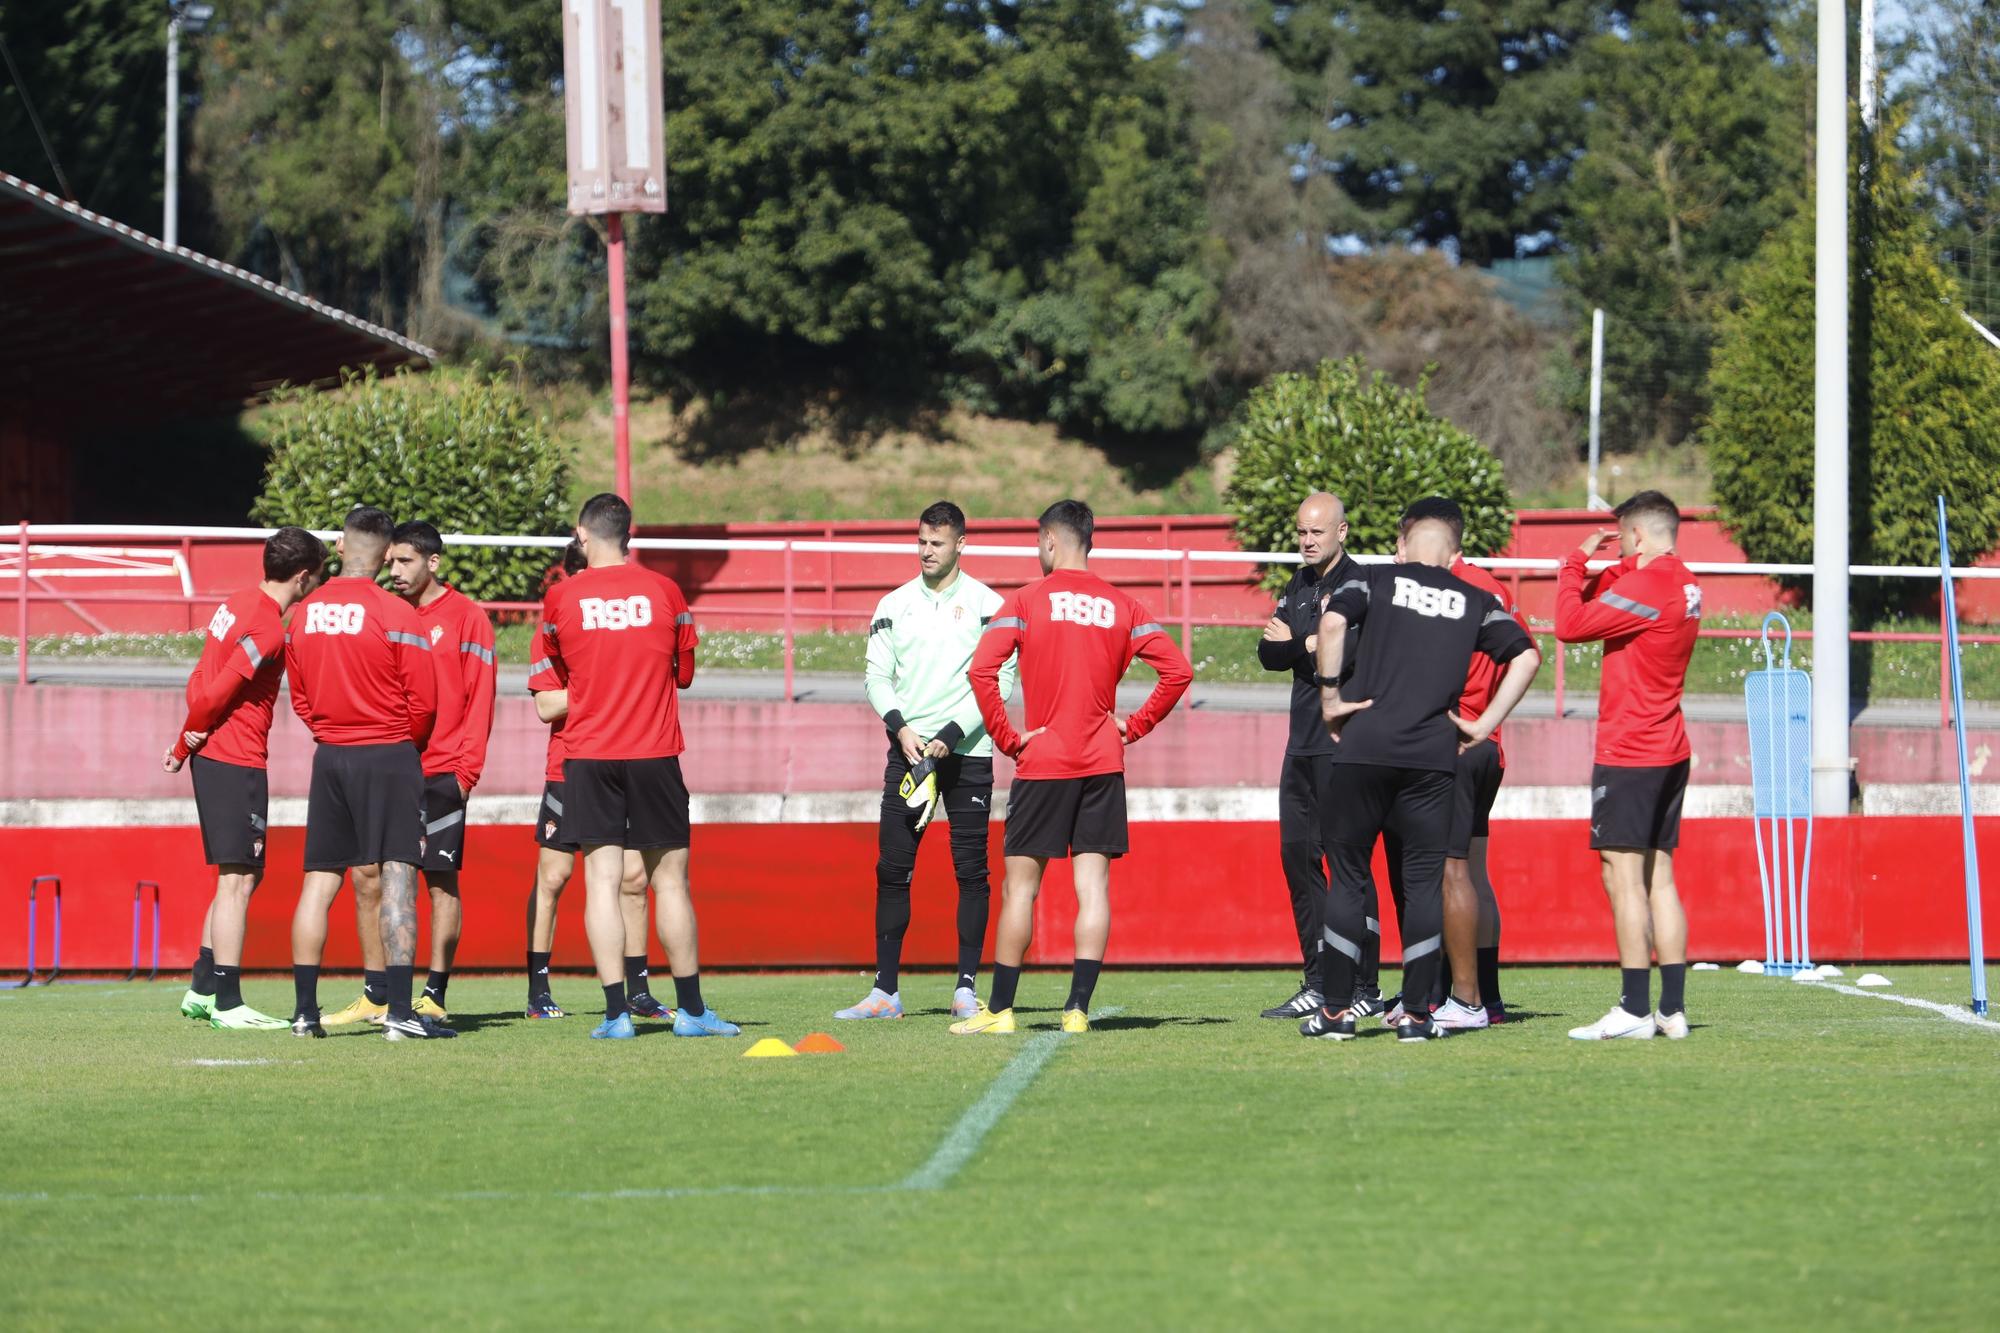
x,y
819,1043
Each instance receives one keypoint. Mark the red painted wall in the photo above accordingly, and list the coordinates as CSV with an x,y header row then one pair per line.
x,y
1207,893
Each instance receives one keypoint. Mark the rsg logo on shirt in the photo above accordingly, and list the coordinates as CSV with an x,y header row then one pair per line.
x,y
222,623
335,618
615,612
1082,609
1428,601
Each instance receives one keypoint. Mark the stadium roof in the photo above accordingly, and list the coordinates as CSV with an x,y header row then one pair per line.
x,y
95,315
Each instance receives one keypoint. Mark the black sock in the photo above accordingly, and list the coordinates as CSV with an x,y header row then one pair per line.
x,y
614,1000
538,976
1082,982
1005,981
228,986
305,988
402,980
1489,976
968,974
203,981
687,994
1673,987
435,983
375,986
637,979
888,963
1636,986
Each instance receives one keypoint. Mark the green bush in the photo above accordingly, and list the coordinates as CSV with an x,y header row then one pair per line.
x,y
459,449
1925,416
1375,445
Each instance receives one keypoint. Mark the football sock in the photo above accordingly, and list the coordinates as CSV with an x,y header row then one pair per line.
x,y
538,976
638,980
1489,976
402,980
1636,984
305,987
434,985
687,994
1083,981
888,962
203,982
228,986
1005,981
1673,984
968,974
614,1000
375,986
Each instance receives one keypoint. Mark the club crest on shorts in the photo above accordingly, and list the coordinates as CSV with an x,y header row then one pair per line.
x,y
256,847
549,829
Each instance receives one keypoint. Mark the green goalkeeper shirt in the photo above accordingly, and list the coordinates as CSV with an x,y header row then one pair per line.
x,y
919,649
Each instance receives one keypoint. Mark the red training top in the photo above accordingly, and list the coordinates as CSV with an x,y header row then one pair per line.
x,y
1482,678
1647,619
233,690
360,666
461,639
1076,635
621,639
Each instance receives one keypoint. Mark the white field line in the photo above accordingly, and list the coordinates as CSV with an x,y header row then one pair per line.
x,y
961,1145
1955,1013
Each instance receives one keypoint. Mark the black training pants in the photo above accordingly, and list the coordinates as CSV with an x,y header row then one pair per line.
x,y
1302,852
1361,803
966,782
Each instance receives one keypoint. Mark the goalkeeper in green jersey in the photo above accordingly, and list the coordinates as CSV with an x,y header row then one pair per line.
x,y
919,647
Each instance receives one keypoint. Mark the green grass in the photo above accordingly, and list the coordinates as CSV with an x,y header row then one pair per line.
x,y
1806,1156
1889,670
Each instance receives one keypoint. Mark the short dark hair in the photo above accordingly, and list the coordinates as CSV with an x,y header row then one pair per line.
x,y
1441,508
607,516
943,514
573,558
370,522
1651,507
419,534
291,550
1073,517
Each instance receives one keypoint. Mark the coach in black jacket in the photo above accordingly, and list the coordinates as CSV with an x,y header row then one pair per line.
x,y
1289,643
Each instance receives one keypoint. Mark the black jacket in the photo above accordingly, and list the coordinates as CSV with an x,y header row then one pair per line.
x,y
1300,605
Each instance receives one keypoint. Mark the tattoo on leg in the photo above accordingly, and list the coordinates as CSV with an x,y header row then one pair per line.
x,y
399,913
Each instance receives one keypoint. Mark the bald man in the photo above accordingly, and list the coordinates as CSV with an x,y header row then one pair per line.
x,y
1289,642
1397,738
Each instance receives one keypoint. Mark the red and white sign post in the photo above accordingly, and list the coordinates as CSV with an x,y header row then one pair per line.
x,y
614,107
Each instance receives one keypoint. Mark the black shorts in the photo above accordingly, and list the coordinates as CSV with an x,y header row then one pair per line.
x,y
965,781
1059,817
231,802
638,804
1363,801
366,806
444,825
1300,783
548,820
1475,787
1637,809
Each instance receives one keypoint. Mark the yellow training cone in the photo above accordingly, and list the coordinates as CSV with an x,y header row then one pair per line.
x,y
769,1046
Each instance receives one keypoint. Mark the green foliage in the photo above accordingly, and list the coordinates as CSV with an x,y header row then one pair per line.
x,y
1955,124
457,449
1926,393
1691,158
1376,446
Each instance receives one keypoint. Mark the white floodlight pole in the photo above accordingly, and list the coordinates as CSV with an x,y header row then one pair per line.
x,y
1832,774
1596,497
170,223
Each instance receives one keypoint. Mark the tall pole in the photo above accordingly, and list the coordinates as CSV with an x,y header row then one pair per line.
x,y
621,386
1596,498
1831,769
170,223
1867,61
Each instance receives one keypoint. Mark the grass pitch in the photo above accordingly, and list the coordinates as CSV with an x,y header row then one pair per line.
x,y
1806,1157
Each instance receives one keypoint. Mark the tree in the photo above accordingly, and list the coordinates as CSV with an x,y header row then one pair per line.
x,y
1453,123
1692,156
1956,127
1926,392
1339,428
96,71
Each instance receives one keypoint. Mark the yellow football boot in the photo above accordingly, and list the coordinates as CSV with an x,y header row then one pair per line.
x,y
426,1005
363,1010
1075,1020
985,1023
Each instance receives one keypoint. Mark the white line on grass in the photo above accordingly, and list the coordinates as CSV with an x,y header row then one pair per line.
x,y
961,1145
207,1063
1951,1011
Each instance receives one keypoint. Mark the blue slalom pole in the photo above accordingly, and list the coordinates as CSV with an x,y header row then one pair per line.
x,y
1974,927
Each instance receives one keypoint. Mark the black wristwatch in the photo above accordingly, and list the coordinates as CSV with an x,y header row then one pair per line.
x,y
1326,682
